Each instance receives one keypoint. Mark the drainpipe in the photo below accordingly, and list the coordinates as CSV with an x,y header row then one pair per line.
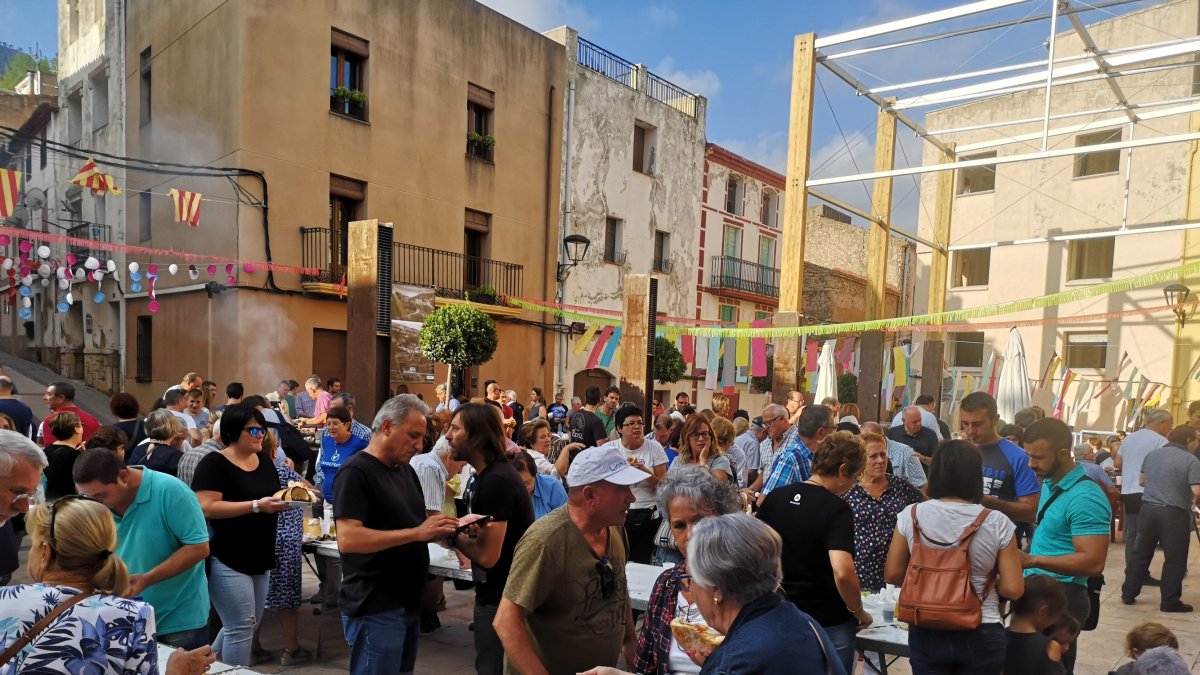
x,y
546,230
566,222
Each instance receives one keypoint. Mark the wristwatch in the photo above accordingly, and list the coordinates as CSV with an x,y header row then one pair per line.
x,y
254,506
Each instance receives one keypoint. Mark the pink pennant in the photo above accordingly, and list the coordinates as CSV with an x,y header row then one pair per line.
x,y
598,348
758,352
689,349
810,358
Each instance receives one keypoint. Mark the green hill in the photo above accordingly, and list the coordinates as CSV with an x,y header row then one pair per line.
x,y
17,64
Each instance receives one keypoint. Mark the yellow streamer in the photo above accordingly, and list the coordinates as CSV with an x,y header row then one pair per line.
x,y
585,338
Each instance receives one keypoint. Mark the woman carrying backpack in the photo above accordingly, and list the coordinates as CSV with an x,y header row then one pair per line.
x,y
953,629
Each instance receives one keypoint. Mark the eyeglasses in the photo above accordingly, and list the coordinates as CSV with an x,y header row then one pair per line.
x,y
767,422
54,513
24,500
256,432
634,425
608,578
698,435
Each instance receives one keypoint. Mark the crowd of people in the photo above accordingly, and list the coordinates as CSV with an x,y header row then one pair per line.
x,y
178,527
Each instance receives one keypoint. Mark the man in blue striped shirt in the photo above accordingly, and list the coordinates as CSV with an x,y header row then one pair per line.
x,y
794,463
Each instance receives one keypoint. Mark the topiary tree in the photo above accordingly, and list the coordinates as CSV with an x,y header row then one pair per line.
x,y
668,362
459,336
847,388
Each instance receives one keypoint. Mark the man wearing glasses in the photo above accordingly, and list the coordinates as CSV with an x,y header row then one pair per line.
x,y
647,455
21,465
566,607
794,463
779,433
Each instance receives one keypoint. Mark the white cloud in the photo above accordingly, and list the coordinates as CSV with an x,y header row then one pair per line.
x,y
542,15
704,82
769,148
661,15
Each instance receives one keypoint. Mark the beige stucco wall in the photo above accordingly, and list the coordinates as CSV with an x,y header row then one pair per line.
x,y
1041,198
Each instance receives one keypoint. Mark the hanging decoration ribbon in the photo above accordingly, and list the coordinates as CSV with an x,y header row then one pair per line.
x,y
187,206
92,178
10,188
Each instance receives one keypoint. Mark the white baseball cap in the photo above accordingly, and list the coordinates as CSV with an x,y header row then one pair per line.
x,y
603,463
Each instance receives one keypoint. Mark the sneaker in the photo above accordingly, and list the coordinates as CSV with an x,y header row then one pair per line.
x,y
292,657
1177,607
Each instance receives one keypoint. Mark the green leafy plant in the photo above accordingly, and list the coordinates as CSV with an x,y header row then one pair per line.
x,y
668,362
488,141
486,290
764,384
473,137
847,388
350,95
459,336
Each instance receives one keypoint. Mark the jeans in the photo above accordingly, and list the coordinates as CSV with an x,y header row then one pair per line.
x,y
842,636
383,643
188,639
239,600
489,651
957,652
1172,527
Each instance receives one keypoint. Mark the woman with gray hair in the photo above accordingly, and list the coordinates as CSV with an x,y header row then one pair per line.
x,y
733,577
161,450
685,497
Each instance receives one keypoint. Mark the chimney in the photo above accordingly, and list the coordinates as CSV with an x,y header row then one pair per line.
x,y
37,83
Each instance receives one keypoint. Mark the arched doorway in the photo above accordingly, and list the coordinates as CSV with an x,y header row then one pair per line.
x,y
595,377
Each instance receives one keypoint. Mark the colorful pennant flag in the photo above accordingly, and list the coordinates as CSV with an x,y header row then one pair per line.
x,y
1051,366
584,339
10,187
900,363
93,179
714,361
610,349
187,206
742,350
758,352
594,357
729,371
688,349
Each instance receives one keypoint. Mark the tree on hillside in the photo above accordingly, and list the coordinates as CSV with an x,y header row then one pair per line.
x,y
19,65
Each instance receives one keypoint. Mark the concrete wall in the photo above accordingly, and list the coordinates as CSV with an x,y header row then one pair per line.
x,y
267,108
604,184
1042,199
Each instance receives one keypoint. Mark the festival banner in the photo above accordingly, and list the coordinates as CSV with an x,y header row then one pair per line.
x,y
10,189
610,349
584,339
92,178
758,352
598,349
187,206
688,349
714,362
899,366
742,349
729,370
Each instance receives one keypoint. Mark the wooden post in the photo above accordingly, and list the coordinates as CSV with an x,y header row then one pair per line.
x,y
1187,334
870,368
881,205
935,342
636,342
795,215
366,351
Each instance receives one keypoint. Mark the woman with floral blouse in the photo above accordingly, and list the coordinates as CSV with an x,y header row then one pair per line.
x,y
875,501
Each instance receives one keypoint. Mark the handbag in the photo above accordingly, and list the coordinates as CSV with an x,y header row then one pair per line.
x,y
665,538
40,626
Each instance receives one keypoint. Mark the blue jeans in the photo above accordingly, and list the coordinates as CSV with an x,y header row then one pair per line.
x,y
383,643
188,639
957,652
239,599
843,636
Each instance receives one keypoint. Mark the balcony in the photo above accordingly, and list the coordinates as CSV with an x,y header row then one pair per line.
x,y
742,277
91,232
455,276
319,249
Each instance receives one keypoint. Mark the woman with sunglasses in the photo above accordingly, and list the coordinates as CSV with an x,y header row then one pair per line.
x,y
79,584
234,487
696,446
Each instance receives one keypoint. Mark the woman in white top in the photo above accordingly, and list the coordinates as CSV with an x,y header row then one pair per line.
x,y
955,493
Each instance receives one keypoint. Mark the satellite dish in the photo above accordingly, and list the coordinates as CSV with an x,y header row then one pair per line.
x,y
19,217
35,199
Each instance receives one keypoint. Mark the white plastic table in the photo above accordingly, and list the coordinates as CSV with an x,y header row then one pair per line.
x,y
164,653
442,562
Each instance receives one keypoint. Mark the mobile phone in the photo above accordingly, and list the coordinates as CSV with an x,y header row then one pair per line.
x,y
478,521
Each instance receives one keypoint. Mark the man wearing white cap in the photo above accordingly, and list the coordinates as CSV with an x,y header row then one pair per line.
x,y
567,581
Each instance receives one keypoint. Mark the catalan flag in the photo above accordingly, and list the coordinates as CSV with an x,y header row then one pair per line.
x,y
187,206
90,177
10,183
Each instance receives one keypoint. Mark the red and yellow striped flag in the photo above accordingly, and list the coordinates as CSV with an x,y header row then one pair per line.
x,y
10,184
187,206
90,177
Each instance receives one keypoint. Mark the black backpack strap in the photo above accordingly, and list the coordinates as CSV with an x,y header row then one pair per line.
x,y
1056,495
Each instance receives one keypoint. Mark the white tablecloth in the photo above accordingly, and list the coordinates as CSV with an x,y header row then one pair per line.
x,y
164,653
442,562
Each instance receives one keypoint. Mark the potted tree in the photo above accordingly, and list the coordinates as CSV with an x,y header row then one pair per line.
x,y
668,362
459,336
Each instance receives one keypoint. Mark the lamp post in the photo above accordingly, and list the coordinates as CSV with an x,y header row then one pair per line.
x,y
575,248
1176,295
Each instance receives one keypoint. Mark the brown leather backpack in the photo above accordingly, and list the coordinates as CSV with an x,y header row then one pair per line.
x,y
937,591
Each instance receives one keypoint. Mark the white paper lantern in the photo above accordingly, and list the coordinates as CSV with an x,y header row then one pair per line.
x,y
26,302
44,270
43,251
91,263
70,298
133,267
112,265
98,276
64,284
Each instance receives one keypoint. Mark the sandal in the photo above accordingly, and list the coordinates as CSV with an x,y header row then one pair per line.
x,y
294,656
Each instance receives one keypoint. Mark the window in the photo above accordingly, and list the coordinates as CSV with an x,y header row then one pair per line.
x,y
144,217
345,199
43,148
968,350
1086,351
75,117
75,208
1090,258
977,179
662,251
147,85
145,349
613,229
481,104
766,251
770,203
645,140
733,241
1098,163
971,267
733,195
476,225
348,75
729,314
100,100
761,315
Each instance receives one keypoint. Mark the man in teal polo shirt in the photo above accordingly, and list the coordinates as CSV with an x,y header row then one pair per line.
x,y
161,536
1071,539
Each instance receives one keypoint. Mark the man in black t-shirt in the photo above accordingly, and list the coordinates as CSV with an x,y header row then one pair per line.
x,y
12,406
498,492
382,534
586,427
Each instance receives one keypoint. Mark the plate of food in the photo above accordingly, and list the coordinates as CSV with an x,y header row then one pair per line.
x,y
296,495
695,637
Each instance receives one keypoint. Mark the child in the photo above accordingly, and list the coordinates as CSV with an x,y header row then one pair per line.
x,y
1064,632
1143,637
1029,652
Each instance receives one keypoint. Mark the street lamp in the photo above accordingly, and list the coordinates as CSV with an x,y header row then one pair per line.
x,y
1176,295
575,246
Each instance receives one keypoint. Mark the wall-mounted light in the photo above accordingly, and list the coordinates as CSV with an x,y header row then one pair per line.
x,y
575,248
1177,295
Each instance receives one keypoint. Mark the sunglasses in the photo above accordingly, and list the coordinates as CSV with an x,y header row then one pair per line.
x,y
256,432
608,578
54,513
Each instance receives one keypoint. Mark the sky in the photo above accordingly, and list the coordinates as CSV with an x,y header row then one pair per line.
x,y
739,56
